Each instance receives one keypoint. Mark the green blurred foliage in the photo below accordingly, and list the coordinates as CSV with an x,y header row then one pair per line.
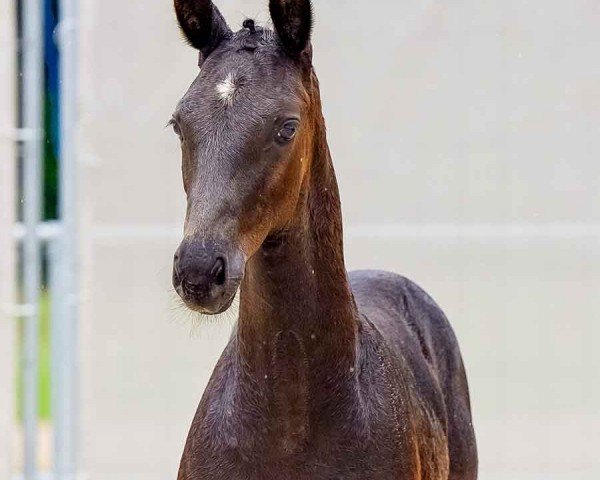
x,y
44,363
50,211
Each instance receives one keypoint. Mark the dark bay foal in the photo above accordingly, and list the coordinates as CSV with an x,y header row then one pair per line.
x,y
327,376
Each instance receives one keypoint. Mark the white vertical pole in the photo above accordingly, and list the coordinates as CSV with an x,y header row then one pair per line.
x,y
33,84
60,369
66,411
8,77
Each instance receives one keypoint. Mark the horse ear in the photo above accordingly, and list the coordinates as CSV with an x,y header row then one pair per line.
x,y
202,24
293,23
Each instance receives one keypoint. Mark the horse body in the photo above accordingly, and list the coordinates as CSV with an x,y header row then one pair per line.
x,y
398,414
327,375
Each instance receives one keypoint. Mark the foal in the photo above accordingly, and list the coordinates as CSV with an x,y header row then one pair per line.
x,y
327,376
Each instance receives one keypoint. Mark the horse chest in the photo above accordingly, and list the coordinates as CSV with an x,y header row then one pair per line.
x,y
335,461
296,450
267,427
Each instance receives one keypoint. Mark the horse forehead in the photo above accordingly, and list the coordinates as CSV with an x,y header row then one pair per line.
x,y
224,101
245,80
231,93
232,83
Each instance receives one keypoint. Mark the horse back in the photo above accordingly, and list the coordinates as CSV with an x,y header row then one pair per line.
x,y
419,336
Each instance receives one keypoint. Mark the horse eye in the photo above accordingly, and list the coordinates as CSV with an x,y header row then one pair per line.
x,y
175,127
288,132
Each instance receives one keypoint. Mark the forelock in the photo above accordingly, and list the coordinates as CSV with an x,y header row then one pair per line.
x,y
253,38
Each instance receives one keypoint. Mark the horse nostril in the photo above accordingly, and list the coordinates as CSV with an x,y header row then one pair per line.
x,y
191,288
218,271
176,264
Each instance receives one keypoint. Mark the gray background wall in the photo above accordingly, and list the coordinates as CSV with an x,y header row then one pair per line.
x,y
466,140
7,178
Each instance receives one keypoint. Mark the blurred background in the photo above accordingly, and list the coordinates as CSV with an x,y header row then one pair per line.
x,y
466,137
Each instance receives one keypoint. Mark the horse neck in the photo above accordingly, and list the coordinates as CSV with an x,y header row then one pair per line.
x,y
295,297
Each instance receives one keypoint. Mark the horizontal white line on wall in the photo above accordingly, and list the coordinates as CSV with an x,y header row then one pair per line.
x,y
109,232
50,230
475,231
380,231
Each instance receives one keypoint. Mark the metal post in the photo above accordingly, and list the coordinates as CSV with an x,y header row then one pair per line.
x,y
59,346
65,404
32,123
7,245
